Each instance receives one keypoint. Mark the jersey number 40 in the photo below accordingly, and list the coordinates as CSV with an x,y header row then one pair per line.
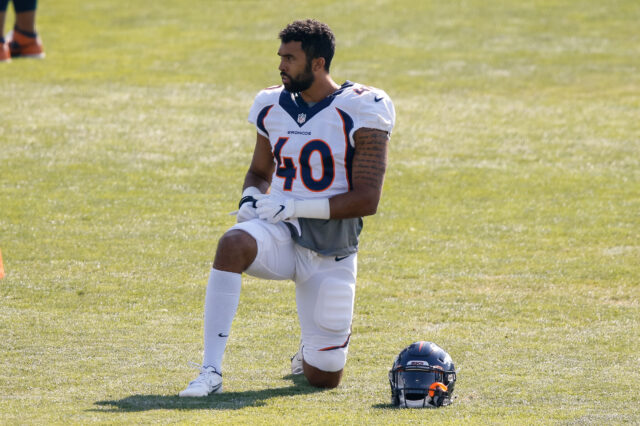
x,y
287,170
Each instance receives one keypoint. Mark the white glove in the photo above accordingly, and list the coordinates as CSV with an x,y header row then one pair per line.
x,y
274,209
247,210
247,207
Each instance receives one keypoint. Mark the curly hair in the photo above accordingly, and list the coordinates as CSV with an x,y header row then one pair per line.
x,y
316,37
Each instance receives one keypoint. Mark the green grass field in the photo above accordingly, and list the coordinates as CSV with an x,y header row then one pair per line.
x,y
508,232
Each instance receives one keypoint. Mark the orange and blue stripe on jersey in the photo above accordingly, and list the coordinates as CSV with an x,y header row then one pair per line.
x,y
262,116
347,126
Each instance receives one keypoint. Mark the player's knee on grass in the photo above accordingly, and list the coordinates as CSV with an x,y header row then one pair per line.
x,y
322,379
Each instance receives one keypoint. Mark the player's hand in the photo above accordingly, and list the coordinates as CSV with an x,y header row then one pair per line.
x,y
247,207
274,209
247,210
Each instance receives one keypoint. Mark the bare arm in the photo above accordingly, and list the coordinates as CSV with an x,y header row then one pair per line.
x,y
262,165
369,165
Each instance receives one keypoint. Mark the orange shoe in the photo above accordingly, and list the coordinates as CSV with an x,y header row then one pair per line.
x,y
5,54
24,45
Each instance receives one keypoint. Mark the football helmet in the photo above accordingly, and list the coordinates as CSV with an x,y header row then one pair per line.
x,y
422,375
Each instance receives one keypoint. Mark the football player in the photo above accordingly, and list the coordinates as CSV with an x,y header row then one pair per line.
x,y
318,167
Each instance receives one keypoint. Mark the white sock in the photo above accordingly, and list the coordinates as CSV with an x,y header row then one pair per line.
x,y
220,305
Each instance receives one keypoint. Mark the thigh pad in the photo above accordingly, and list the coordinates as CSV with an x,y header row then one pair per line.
x,y
334,306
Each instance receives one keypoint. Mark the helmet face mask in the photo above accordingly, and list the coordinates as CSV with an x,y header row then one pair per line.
x,y
422,376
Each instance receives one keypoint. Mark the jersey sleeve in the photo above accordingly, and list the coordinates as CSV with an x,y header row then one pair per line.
x,y
259,109
376,112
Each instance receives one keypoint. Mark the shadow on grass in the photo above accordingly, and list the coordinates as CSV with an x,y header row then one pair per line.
x,y
384,407
222,401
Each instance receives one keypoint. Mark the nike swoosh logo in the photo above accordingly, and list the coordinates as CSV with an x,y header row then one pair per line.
x,y
222,335
377,99
281,208
339,258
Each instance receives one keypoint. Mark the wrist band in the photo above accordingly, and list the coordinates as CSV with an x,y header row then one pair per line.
x,y
314,209
248,199
247,196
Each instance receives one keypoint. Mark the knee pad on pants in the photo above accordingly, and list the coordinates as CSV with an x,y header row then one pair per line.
x,y
334,306
330,360
332,314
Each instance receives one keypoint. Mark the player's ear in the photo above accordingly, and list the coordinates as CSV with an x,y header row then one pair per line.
x,y
317,64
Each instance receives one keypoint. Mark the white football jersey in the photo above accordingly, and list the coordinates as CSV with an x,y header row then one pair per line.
x,y
313,145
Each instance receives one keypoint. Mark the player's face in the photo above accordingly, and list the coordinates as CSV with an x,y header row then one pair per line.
x,y
295,69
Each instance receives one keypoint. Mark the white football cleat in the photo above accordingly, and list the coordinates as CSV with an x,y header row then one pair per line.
x,y
296,363
209,381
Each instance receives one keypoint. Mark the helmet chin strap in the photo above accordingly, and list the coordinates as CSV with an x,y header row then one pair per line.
x,y
418,403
